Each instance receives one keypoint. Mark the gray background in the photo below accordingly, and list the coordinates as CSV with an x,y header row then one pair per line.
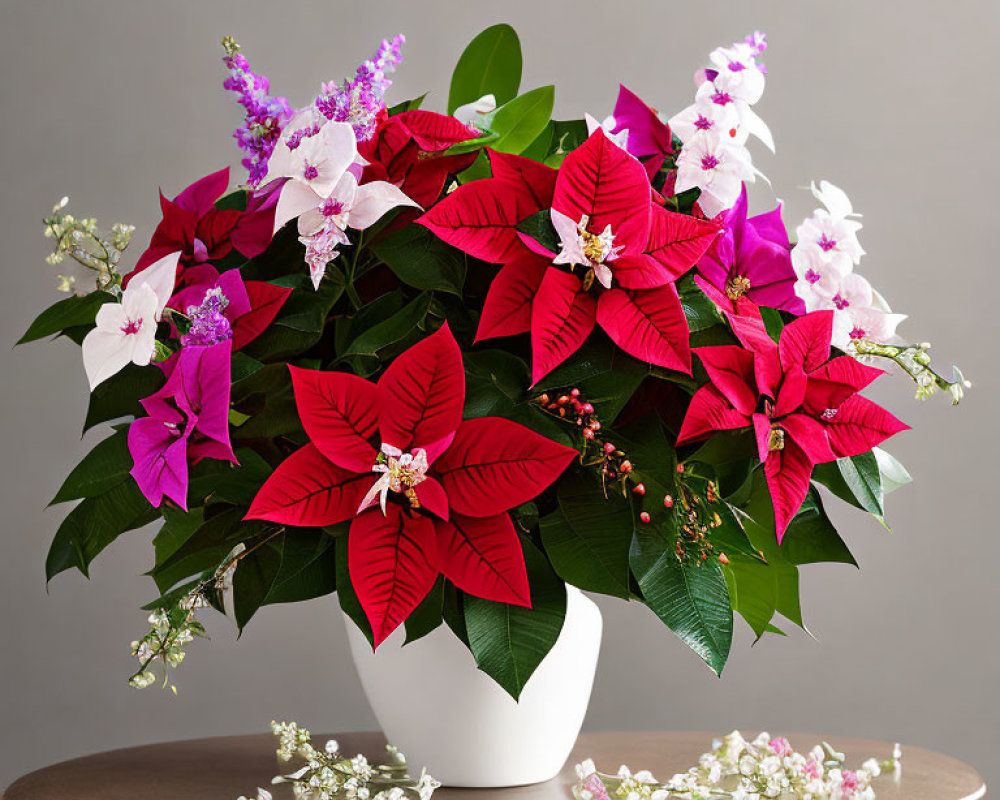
x,y
894,101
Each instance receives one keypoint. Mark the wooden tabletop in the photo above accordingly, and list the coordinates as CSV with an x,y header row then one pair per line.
x,y
226,767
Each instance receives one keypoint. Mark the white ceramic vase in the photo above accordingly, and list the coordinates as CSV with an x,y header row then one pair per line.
x,y
435,705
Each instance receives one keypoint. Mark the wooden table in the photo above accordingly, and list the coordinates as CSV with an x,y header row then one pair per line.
x,y
225,767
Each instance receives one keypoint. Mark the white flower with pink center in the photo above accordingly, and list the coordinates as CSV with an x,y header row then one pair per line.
x,y
710,163
580,246
400,473
704,115
126,331
324,193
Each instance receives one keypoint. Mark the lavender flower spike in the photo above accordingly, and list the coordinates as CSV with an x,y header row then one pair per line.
x,y
359,100
265,115
208,322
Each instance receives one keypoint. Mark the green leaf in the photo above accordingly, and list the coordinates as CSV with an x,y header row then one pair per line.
x,y
567,135
542,145
587,539
120,394
892,472
308,567
300,323
540,228
519,122
491,64
68,313
427,616
753,593
243,367
104,467
178,526
495,382
701,312
420,259
254,578
773,321
349,602
236,484
94,524
605,376
509,642
690,597
204,549
407,105
392,333
857,480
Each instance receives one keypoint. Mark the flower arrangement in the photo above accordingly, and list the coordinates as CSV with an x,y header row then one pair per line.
x,y
742,770
444,364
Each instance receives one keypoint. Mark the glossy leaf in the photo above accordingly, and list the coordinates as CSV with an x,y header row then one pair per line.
x,y
94,524
490,64
120,394
856,480
587,539
74,311
428,616
509,642
519,122
421,260
690,597
104,467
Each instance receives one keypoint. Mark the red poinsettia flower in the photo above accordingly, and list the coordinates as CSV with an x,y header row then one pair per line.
x,y
201,232
406,151
619,255
803,406
427,492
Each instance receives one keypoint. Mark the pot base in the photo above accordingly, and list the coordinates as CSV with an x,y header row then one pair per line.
x,y
444,714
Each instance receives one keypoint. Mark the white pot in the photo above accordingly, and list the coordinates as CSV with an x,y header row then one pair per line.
x,y
444,714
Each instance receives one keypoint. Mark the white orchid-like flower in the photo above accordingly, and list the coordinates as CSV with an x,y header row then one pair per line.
x,y
717,167
324,192
126,331
473,114
824,259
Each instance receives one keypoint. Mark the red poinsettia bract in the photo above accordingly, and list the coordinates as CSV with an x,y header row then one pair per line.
x,y
408,151
201,232
620,254
431,497
803,406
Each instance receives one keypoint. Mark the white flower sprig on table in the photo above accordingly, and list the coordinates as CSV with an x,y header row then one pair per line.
x,y
329,775
735,769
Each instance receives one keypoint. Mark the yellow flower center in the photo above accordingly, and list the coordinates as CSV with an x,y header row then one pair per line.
x,y
775,439
737,287
593,247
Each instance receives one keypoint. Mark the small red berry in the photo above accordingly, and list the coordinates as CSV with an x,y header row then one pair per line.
x,y
587,408
644,516
626,466
609,448
668,501
575,392
563,400
588,433
640,488
723,558
595,425
543,399
680,468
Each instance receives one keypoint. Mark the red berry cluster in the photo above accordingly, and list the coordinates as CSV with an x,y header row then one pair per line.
x,y
616,469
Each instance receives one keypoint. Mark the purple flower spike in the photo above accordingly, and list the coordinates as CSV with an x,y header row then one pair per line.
x,y
265,115
359,100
